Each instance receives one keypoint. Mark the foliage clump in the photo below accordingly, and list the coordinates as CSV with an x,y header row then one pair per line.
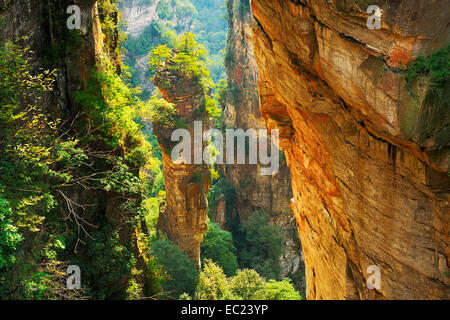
x,y
218,246
259,245
42,161
436,66
247,284
181,274
187,58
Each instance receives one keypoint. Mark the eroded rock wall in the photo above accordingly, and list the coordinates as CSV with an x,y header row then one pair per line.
x,y
370,181
138,14
254,191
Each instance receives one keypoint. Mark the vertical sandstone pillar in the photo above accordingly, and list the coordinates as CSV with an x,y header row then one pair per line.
x,y
184,216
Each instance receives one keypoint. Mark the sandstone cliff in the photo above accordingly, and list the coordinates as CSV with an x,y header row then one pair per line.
x,y
254,191
184,216
138,14
368,159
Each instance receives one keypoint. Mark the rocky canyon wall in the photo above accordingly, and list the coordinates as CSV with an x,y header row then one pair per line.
x,y
369,158
254,191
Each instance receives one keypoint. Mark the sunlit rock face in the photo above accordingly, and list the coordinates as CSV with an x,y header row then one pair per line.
x,y
183,218
254,191
138,14
369,175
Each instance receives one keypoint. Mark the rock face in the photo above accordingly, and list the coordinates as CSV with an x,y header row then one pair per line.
x,y
254,191
368,161
138,14
184,216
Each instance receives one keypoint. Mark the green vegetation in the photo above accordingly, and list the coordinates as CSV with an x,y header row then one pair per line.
x,y
210,27
436,66
204,18
83,184
426,113
219,188
10,238
245,285
43,159
281,290
181,275
259,245
108,264
187,58
218,247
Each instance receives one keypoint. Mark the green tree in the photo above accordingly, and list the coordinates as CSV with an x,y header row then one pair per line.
x,y
218,247
164,9
281,290
213,283
158,57
181,273
262,245
248,285
111,267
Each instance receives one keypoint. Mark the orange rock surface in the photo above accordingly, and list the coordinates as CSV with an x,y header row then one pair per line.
x,y
183,218
367,189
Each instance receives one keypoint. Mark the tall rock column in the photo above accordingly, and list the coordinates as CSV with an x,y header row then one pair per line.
x,y
369,157
184,216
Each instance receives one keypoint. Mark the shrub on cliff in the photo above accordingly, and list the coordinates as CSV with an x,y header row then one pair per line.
x,y
187,58
426,116
435,65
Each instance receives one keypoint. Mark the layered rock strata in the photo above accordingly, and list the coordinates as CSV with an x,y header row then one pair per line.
x,y
184,215
369,160
254,191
